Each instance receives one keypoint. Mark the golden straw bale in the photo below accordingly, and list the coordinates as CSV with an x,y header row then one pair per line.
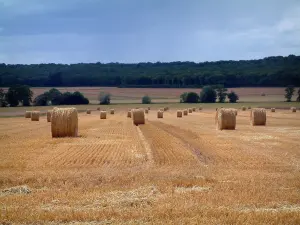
x,y
190,110
88,111
148,108
138,116
226,119
160,114
49,114
129,114
64,122
185,112
98,109
244,108
258,116
179,113
166,108
194,109
146,111
28,114
294,109
249,107
272,109
200,108
102,114
112,111
35,115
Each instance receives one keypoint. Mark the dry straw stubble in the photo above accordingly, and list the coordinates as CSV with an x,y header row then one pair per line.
x,y
103,115
35,115
258,116
138,116
28,114
226,119
64,122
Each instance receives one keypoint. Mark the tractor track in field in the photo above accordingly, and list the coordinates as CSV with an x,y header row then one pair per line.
x,y
195,150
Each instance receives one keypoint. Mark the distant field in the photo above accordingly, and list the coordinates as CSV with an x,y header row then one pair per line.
x,y
134,95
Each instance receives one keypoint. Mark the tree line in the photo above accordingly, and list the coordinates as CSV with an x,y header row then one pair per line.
x,y
22,95
270,71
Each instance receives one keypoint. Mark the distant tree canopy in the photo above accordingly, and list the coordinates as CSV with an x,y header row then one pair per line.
x,y
146,100
55,97
19,94
270,71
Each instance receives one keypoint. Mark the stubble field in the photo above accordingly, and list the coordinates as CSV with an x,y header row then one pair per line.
x,y
168,171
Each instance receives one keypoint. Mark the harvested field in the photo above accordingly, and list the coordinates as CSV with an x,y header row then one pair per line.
x,y
170,171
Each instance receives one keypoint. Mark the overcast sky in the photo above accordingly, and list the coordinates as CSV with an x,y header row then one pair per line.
x,y
73,31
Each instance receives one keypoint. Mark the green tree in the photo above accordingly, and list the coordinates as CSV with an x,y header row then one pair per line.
x,y
3,102
146,100
233,97
289,92
298,98
19,94
208,95
190,97
104,98
221,93
41,100
183,97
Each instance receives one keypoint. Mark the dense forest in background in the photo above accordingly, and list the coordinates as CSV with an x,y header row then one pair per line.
x,y
270,71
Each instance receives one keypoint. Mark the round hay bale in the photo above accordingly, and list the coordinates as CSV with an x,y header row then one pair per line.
x,y
88,111
226,119
200,108
98,109
138,116
258,116
35,115
129,114
148,108
249,107
28,114
185,112
194,109
64,122
102,115
272,109
263,94
166,108
49,114
146,111
293,109
112,111
160,114
190,110
216,109
244,108
161,109
179,113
